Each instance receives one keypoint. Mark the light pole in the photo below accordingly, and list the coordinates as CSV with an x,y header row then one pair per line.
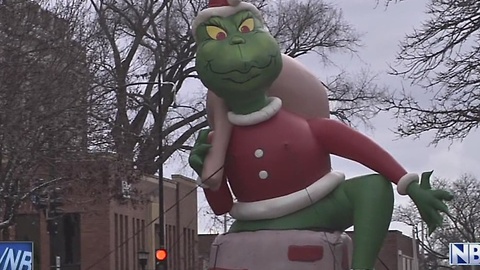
x,y
142,258
50,202
161,210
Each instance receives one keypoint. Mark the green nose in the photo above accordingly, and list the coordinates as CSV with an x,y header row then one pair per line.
x,y
237,40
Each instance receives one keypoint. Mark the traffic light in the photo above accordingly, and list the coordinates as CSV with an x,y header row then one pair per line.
x,y
161,255
41,201
55,203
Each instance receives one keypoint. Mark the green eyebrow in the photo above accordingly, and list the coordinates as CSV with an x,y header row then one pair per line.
x,y
245,16
216,21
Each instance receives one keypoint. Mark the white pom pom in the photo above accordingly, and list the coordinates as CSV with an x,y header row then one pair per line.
x,y
234,2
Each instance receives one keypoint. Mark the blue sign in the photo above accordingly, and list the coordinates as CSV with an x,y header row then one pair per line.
x,y
16,255
464,254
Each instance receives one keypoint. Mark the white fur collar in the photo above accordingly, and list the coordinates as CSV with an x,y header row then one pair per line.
x,y
254,118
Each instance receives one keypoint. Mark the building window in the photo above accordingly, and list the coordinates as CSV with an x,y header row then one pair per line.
x,y
66,243
127,261
143,234
116,242
406,262
176,248
71,235
170,245
189,265
122,249
134,238
156,236
185,243
191,247
139,235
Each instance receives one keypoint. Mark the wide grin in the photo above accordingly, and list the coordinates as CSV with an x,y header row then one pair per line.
x,y
241,81
246,72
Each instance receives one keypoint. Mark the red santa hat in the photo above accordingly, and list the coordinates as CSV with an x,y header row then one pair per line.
x,y
223,8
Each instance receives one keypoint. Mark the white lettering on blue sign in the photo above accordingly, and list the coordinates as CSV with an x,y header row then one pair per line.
x,y
464,254
12,259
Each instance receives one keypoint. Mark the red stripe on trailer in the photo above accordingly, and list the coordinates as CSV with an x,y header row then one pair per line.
x,y
305,253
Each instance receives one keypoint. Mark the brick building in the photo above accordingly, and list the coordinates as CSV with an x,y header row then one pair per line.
x,y
396,254
45,81
107,234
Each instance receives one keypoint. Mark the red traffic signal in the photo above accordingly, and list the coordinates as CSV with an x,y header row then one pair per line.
x,y
161,254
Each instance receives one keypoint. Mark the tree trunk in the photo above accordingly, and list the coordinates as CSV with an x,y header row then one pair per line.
x,y
6,234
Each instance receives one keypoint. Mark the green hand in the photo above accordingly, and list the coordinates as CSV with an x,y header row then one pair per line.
x,y
429,202
199,151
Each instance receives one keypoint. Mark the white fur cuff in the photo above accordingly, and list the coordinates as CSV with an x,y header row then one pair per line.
x,y
405,181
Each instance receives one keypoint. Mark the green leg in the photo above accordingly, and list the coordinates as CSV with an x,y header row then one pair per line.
x,y
365,202
372,200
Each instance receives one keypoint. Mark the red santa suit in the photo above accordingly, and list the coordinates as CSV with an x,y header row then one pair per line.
x,y
278,162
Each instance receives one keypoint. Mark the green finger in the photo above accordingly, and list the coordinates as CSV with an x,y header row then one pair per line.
x,y
442,195
202,137
201,149
436,221
441,206
431,229
431,224
425,180
194,160
197,164
438,218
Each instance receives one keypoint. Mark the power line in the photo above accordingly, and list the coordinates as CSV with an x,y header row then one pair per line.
x,y
155,219
181,235
151,222
384,265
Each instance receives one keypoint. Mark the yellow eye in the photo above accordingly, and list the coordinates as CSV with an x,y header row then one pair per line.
x,y
216,33
247,25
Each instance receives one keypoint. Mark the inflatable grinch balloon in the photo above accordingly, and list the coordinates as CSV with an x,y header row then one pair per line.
x,y
270,141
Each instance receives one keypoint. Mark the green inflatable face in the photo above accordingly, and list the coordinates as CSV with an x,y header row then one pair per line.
x,y
236,55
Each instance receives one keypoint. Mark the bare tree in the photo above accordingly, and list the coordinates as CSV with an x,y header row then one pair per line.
x,y
356,100
442,55
43,98
216,224
308,26
148,50
462,225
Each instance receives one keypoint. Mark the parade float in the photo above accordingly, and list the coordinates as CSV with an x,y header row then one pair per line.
x,y
265,159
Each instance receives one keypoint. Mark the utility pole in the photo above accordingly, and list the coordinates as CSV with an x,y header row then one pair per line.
x,y
163,265
50,202
161,210
53,214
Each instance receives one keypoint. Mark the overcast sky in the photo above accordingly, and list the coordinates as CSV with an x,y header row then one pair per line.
x,y
381,30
